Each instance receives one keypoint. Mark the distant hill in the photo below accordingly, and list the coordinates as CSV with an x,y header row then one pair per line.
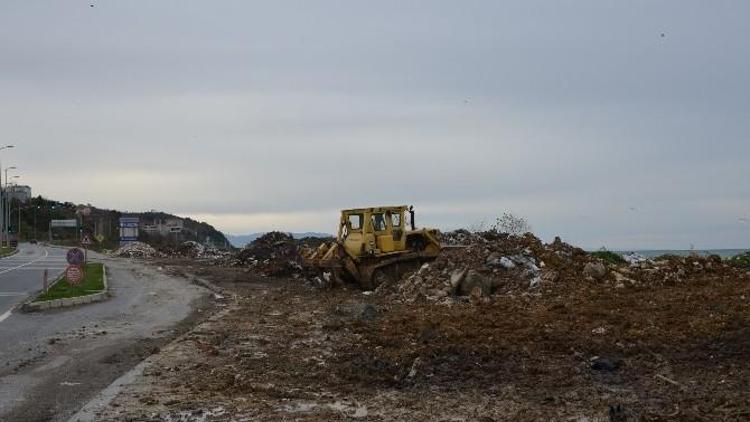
x,y
103,224
239,241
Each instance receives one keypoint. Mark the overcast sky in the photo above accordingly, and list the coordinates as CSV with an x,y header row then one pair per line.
x,y
609,123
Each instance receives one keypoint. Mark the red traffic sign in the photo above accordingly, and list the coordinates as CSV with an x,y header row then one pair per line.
x,y
86,240
74,275
75,256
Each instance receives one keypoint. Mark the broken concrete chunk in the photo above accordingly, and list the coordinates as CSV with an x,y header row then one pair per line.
x,y
595,270
456,278
475,280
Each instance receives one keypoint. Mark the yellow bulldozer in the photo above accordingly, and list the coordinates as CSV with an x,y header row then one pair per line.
x,y
374,245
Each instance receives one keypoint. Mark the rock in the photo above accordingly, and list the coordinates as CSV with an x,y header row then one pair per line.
x,y
621,280
361,412
506,263
604,364
456,278
493,260
525,261
356,311
595,270
476,295
475,280
549,276
634,258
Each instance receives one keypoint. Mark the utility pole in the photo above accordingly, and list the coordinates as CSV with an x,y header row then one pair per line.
x,y
36,207
6,216
2,196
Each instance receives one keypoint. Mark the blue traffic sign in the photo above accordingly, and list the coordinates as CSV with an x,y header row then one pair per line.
x,y
75,256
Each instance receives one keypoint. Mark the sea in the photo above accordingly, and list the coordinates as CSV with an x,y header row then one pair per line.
x,y
651,253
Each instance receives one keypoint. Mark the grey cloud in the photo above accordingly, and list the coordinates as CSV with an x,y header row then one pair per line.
x,y
569,113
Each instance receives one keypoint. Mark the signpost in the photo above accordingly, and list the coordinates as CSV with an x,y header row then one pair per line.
x,y
74,275
128,229
74,272
85,241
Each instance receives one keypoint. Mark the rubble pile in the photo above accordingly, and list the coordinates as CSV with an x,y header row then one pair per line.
x,y
135,250
481,264
191,249
273,254
673,270
194,250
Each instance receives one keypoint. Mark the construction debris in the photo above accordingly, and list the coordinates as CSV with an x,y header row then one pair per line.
x,y
273,254
135,250
487,263
473,266
194,250
480,265
634,258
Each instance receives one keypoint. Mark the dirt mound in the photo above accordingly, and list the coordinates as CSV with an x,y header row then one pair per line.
x,y
667,353
273,254
135,250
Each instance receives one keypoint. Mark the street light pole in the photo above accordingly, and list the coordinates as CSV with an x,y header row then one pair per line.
x,y
2,196
10,211
36,207
6,216
18,229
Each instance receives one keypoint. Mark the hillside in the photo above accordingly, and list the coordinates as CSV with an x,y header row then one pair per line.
x,y
103,223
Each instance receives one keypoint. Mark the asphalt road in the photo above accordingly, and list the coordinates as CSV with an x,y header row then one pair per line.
x,y
53,362
22,273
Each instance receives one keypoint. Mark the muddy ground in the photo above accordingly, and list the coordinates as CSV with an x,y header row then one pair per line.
x,y
281,350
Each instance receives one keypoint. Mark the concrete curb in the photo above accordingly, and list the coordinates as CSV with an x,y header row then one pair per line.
x,y
31,306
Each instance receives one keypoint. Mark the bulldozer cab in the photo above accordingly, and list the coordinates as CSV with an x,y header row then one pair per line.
x,y
373,231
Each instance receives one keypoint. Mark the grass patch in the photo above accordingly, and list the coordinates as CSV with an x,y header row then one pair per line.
x,y
609,257
5,251
93,282
741,260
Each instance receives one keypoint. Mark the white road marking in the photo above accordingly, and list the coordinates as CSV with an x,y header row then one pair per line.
x,y
24,266
46,254
5,316
11,294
